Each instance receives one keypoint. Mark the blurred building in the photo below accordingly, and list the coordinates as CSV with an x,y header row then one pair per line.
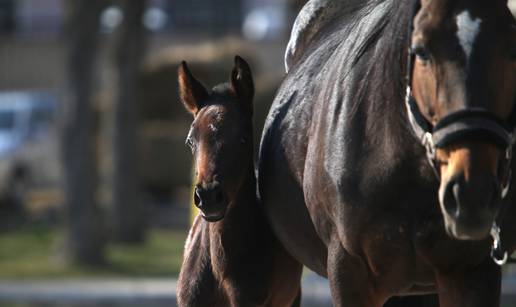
x,y
30,17
38,17
45,17
7,19
218,16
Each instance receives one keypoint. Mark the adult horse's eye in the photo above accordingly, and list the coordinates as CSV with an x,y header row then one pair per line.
x,y
243,140
421,52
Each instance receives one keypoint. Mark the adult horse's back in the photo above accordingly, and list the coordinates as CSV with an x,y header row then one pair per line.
x,y
348,186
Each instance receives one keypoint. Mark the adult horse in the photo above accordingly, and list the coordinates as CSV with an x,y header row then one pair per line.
x,y
393,194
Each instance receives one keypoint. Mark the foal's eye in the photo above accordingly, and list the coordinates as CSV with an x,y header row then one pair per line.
x,y
243,140
421,52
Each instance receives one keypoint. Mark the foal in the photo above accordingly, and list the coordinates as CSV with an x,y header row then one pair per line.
x,y
231,256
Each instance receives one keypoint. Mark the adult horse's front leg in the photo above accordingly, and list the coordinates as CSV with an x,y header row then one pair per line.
x,y
349,279
479,287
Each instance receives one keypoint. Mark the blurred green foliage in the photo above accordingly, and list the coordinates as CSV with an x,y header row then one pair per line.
x,y
31,253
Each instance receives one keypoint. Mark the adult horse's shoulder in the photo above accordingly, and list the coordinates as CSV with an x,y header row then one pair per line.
x,y
314,16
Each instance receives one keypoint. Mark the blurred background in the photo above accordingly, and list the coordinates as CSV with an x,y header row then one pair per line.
x,y
94,174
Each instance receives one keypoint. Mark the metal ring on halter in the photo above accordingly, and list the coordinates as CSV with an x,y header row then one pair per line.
x,y
428,142
506,186
497,249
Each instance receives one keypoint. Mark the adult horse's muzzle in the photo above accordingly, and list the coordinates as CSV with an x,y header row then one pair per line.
x,y
476,178
211,201
469,205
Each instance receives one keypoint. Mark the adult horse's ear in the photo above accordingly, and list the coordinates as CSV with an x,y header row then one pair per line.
x,y
242,81
192,93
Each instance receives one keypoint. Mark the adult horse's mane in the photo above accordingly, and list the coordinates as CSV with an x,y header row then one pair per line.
x,y
374,35
371,34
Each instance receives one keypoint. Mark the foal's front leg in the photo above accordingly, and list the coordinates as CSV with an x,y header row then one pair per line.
x,y
478,287
349,279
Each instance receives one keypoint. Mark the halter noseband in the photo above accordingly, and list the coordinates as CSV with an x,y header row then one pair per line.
x,y
464,124
467,123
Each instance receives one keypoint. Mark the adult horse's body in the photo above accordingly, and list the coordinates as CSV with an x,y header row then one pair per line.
x,y
346,185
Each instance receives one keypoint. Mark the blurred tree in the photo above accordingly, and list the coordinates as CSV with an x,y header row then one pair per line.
x,y
85,241
129,50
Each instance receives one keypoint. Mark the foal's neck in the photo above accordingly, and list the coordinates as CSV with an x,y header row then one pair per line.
x,y
245,204
240,223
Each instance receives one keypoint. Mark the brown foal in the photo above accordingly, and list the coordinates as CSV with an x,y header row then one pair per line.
x,y
232,257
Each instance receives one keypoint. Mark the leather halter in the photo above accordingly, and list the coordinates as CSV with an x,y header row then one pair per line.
x,y
467,123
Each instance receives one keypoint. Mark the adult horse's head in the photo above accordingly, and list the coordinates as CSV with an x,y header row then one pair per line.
x,y
220,136
463,79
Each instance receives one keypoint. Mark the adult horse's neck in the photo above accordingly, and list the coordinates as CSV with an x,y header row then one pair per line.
x,y
375,68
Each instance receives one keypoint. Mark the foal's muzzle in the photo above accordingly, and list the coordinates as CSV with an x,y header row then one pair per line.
x,y
211,200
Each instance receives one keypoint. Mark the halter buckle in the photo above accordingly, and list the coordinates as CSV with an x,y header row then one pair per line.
x,y
498,255
428,142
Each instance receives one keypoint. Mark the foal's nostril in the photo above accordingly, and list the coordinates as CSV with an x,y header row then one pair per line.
x,y
197,198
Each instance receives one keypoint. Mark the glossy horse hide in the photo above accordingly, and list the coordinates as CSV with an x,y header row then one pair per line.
x,y
231,256
357,189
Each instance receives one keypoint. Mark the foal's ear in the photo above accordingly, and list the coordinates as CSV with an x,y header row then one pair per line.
x,y
242,82
192,93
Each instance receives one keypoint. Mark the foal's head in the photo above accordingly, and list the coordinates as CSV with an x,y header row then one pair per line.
x,y
220,137
465,59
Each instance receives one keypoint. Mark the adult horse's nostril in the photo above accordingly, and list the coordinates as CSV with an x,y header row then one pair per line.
x,y
451,197
469,206
474,196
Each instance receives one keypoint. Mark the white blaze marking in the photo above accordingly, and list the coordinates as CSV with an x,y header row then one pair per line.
x,y
467,31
